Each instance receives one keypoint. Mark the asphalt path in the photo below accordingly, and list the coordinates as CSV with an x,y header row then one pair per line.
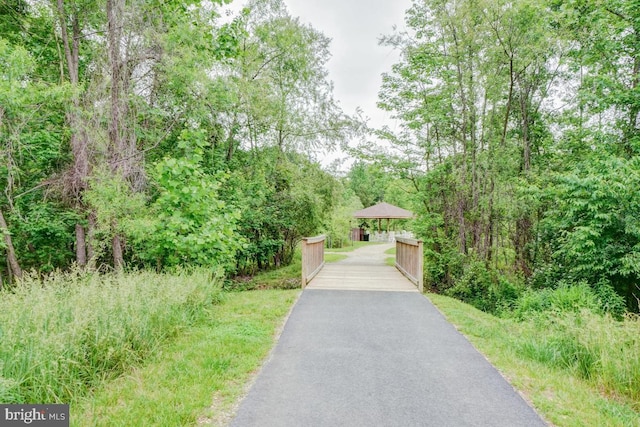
x,y
368,358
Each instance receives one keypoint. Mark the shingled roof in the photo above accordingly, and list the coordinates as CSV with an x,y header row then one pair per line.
x,y
383,210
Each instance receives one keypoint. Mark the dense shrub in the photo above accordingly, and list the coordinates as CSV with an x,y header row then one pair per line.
x,y
63,335
569,297
485,289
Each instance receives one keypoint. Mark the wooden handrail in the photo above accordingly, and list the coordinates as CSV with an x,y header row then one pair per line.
x,y
410,260
312,257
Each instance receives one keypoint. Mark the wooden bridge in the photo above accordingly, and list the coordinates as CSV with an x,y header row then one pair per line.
x,y
365,268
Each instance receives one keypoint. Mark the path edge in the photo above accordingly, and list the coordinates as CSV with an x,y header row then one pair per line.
x,y
522,395
233,411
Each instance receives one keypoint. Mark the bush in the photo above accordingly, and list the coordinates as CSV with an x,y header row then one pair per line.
x,y
63,335
569,297
484,289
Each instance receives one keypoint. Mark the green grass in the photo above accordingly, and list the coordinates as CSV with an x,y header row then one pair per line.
x,y
197,377
288,277
352,246
530,355
332,257
391,261
66,335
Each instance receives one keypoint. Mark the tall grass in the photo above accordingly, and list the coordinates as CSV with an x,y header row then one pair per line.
x,y
61,337
585,331
593,346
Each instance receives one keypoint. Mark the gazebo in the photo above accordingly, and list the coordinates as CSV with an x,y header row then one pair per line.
x,y
383,211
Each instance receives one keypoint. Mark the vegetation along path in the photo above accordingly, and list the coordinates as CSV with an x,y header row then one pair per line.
x,y
349,357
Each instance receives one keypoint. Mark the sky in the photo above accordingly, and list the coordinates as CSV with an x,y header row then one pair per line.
x,y
357,62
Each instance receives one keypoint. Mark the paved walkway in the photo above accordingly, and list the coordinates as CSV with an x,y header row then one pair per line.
x,y
371,358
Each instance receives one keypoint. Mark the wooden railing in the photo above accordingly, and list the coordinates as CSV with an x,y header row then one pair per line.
x,y
312,257
409,260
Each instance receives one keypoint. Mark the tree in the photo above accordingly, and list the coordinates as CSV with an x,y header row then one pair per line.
x,y
368,182
14,266
468,92
112,114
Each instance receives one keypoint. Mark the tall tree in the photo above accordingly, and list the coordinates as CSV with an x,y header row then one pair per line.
x,y
72,19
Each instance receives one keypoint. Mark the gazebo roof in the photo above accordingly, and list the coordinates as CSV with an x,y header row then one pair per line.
x,y
383,210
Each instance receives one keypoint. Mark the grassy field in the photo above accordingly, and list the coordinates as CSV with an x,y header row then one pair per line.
x,y
199,376
544,364
135,349
65,336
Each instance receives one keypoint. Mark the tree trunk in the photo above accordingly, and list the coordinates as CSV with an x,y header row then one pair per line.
x,y
14,266
77,176
521,239
116,144
524,125
81,246
91,253
118,260
462,235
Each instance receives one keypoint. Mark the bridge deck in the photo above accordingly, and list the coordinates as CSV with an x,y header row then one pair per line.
x,y
363,270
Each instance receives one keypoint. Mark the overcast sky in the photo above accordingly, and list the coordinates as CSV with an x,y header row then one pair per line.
x,y
357,62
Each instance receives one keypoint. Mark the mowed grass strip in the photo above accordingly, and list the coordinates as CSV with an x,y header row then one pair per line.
x,y
391,261
562,398
198,377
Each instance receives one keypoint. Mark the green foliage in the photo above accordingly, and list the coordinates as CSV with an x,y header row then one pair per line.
x,y
341,220
592,225
198,103
497,170
115,206
484,289
287,198
64,335
31,145
368,182
590,345
569,298
188,223
44,234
